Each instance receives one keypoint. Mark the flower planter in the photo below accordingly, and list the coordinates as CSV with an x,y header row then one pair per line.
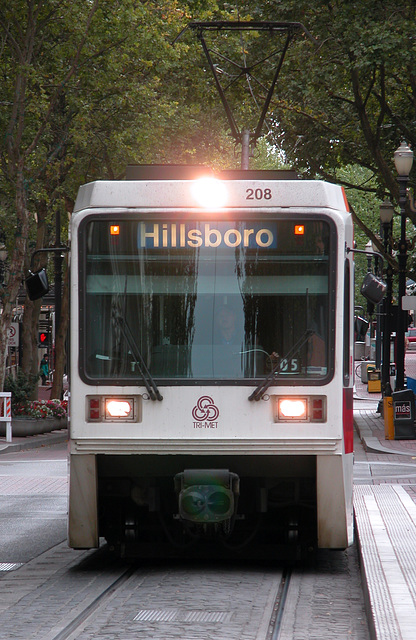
x,y
24,426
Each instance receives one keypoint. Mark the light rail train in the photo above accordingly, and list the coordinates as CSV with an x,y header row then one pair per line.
x,y
211,362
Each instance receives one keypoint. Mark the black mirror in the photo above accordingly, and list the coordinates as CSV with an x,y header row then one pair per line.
x,y
361,327
373,288
37,284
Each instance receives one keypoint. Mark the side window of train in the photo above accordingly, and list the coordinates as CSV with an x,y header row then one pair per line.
x,y
347,320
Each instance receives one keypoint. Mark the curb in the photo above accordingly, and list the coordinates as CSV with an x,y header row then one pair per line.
x,y
372,444
33,442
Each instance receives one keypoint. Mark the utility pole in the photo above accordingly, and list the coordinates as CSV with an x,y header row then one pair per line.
x,y
245,149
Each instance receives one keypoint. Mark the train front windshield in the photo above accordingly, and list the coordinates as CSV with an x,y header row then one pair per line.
x,y
199,301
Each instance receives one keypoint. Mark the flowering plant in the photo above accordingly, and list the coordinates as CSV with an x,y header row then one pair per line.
x,y
41,409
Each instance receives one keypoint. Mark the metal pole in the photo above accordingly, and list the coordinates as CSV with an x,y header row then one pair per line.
x,y
58,271
401,315
370,305
385,370
378,335
245,149
378,324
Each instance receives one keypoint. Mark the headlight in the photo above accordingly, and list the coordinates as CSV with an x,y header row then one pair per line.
x,y
209,193
300,409
118,408
113,409
296,408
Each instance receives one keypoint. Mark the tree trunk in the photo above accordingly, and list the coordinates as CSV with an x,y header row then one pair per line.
x,y
9,293
30,323
29,363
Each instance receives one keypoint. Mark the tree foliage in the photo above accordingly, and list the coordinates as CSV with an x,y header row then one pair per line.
x,y
86,89
345,99
89,87
349,95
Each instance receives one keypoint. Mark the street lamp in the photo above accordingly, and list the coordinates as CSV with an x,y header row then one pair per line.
x,y
386,217
369,250
403,159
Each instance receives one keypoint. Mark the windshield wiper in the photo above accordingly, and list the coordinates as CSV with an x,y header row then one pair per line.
x,y
149,383
261,389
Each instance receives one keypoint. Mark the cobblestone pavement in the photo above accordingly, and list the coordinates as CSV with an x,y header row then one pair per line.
x,y
205,602
325,601
171,600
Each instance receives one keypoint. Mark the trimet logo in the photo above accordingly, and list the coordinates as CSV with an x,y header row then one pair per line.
x,y
205,413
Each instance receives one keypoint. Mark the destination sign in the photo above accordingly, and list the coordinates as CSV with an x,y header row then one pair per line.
x,y
171,235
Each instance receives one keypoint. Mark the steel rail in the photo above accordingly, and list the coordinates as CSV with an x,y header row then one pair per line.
x,y
280,604
91,608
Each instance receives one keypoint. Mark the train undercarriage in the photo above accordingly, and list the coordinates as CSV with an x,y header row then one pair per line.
x,y
207,507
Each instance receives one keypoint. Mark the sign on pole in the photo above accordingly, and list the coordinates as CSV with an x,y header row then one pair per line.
x,y
13,335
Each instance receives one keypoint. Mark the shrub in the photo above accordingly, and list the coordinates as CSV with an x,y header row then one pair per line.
x,y
21,388
42,409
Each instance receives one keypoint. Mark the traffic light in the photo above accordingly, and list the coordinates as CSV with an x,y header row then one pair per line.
x,y
43,338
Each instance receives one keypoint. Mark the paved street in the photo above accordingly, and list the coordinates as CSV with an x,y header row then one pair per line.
x,y
33,502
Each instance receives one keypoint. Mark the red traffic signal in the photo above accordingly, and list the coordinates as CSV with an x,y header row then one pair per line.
x,y
43,338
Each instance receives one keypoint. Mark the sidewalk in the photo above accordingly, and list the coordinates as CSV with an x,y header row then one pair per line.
x,y
385,521
32,442
370,425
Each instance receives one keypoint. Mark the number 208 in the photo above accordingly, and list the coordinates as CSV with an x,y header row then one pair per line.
x,y
258,194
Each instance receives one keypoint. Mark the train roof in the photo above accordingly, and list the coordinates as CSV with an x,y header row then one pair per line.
x,y
245,189
193,172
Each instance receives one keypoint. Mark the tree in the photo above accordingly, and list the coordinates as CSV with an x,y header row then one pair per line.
x,y
350,96
33,94
86,88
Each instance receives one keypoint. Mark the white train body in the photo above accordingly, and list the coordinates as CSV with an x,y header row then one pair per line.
x,y
200,441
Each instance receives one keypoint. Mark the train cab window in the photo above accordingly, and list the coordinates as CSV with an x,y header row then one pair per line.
x,y
207,300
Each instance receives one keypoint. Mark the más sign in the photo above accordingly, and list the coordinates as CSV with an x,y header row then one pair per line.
x,y
402,410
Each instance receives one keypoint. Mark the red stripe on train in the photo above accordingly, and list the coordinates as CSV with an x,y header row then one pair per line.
x,y
348,420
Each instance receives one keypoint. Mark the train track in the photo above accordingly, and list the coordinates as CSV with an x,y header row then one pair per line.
x,y
78,622
96,596
74,627
238,598
171,617
278,612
